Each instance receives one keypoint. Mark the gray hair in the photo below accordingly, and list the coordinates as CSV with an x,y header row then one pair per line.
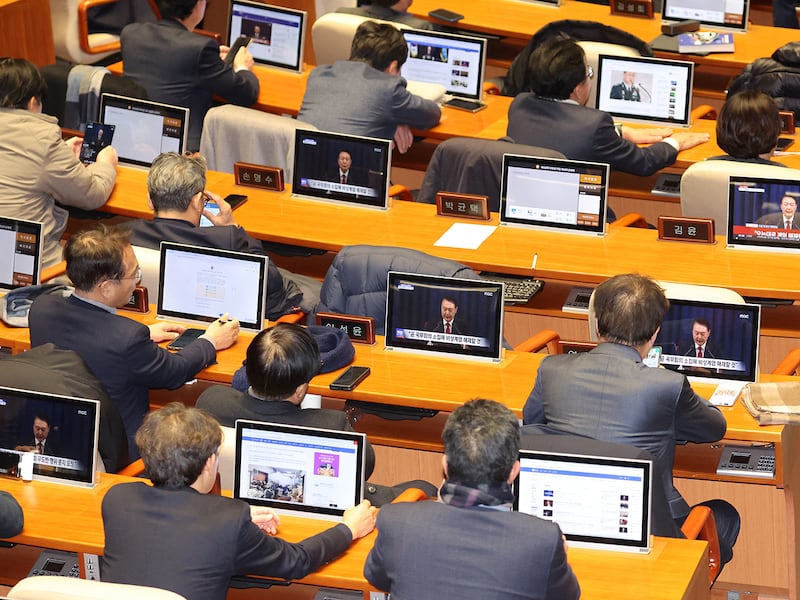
x,y
174,179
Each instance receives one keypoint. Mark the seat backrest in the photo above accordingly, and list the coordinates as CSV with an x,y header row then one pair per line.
x,y
593,50
472,166
227,458
150,263
238,134
69,588
705,186
66,34
332,35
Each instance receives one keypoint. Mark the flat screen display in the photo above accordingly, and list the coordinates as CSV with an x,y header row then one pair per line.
x,y
762,214
713,14
277,34
20,253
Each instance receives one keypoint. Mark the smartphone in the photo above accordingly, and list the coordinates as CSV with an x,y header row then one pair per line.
x,y
96,136
233,199
184,339
242,40
350,378
784,143
445,15
468,105
653,358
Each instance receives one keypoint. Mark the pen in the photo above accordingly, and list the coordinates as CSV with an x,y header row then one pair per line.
x,y
535,258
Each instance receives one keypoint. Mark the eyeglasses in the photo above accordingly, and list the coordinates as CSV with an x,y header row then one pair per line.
x,y
589,71
137,276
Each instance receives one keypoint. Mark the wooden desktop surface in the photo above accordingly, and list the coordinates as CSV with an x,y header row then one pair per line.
x,y
68,518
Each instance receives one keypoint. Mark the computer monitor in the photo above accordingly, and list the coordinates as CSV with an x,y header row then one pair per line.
x,y
144,129
70,429
713,14
311,472
20,253
320,157
758,210
731,333
199,284
554,194
277,34
453,61
417,316
662,89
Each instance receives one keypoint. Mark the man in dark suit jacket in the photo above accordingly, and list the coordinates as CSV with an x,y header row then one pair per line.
x,y
626,89
346,173
40,443
609,394
177,66
122,353
470,545
553,115
176,536
176,192
786,219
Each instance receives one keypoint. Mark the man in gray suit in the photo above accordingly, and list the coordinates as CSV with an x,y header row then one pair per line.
x,y
470,545
608,394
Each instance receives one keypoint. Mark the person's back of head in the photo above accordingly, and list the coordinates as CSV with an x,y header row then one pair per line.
x,y
379,45
20,80
385,3
280,359
629,309
174,179
175,443
96,254
481,442
556,67
176,9
748,125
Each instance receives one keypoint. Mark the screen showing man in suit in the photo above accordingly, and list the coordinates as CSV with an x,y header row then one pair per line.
x,y
787,218
41,430
626,89
345,173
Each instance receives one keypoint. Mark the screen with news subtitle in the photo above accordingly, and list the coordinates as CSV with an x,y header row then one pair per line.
x,y
445,315
762,213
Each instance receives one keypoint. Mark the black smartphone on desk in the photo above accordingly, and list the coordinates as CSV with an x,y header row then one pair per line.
x,y
446,15
184,339
784,143
350,379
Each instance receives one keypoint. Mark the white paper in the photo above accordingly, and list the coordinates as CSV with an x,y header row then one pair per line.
x,y
465,235
727,393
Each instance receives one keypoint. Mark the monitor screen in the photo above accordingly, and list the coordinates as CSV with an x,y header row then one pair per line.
x,y
445,315
728,335
762,213
554,193
20,252
200,284
144,129
315,472
60,431
277,34
453,61
342,168
596,501
647,90
715,14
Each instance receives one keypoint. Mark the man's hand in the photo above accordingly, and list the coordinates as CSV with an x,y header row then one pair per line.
x,y
403,138
222,332
243,60
360,519
225,216
108,155
645,136
689,139
266,519
75,145
162,332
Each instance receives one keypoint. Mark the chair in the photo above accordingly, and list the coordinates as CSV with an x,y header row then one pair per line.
x,y
332,35
73,588
472,166
71,38
705,186
238,134
790,363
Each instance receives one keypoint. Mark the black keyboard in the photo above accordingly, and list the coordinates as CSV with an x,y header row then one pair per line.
x,y
518,290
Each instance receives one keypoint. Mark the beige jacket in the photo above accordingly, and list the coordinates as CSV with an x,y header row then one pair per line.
x,y
37,169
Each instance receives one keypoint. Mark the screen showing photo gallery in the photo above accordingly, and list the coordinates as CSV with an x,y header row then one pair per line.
x,y
297,468
454,64
275,34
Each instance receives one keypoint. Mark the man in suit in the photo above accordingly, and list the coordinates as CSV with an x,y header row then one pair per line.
x,y
470,545
177,66
787,218
122,353
700,347
176,192
553,115
447,324
365,95
390,10
174,535
626,89
345,172
41,432
610,395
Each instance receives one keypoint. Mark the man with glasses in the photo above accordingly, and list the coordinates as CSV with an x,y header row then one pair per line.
x,y
554,115
122,353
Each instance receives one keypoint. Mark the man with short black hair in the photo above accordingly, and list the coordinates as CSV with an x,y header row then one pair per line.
x,y
470,545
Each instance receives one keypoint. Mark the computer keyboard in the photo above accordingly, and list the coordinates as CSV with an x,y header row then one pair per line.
x,y
517,290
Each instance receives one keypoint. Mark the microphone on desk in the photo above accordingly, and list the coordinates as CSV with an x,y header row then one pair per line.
x,y
649,96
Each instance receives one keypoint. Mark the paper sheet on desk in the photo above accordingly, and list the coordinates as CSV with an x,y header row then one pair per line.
x,y
465,235
726,393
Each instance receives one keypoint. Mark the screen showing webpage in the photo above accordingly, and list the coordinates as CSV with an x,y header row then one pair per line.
x,y
276,33
453,62
143,132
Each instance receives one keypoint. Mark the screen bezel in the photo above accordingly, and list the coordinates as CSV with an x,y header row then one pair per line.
x,y
85,478
258,259
792,186
519,160
493,353
297,67
37,229
360,439
438,35
166,110
605,70
342,142
742,28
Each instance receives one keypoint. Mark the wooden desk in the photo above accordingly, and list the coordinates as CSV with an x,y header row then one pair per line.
x,y
675,569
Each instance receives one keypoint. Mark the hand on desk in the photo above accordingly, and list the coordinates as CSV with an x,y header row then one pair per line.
x,y
163,332
266,519
689,139
360,519
403,138
645,136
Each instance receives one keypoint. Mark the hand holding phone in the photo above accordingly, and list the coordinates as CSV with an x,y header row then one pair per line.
x,y
96,136
241,41
184,339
